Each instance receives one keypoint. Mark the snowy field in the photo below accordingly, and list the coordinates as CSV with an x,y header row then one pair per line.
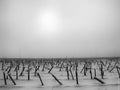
x,y
85,82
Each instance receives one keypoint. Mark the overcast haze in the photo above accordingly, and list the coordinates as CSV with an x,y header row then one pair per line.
x,y
59,28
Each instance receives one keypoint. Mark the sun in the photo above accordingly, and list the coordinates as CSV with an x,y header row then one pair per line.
x,y
48,23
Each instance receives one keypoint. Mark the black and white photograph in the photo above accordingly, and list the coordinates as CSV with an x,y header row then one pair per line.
x,y
59,44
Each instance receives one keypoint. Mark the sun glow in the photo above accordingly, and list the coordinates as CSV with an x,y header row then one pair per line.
x,y
48,23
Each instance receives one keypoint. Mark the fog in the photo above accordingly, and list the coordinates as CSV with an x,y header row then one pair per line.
x,y
59,28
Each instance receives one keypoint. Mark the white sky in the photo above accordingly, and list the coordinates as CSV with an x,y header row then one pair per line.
x,y
59,28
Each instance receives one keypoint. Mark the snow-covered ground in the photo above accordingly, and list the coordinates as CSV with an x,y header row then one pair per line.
x,y
111,79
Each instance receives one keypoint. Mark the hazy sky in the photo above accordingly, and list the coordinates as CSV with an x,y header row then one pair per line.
x,y
59,28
